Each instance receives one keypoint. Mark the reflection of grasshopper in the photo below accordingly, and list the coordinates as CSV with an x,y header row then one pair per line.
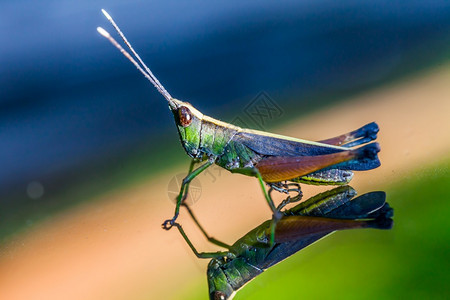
x,y
273,159
299,227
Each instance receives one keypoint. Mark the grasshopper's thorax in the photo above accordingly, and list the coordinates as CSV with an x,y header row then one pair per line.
x,y
215,136
227,276
201,136
189,124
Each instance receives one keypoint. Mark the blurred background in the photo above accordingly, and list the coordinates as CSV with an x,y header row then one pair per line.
x,y
88,146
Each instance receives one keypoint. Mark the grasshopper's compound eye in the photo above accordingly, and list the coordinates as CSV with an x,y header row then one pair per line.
x,y
185,116
219,296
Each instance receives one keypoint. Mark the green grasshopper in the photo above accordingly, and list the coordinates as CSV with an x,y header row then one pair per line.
x,y
281,162
299,227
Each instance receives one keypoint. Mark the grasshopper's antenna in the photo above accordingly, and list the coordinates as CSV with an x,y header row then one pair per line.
x,y
127,55
147,73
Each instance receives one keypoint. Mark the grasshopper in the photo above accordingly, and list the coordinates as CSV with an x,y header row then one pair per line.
x,y
282,162
309,221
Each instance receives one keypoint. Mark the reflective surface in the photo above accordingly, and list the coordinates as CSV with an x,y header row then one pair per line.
x,y
299,227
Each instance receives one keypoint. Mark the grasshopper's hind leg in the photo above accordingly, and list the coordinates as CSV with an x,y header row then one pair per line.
x,y
184,191
326,177
331,176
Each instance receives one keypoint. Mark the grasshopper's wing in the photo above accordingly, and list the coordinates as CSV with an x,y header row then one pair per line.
x,y
269,144
361,207
356,137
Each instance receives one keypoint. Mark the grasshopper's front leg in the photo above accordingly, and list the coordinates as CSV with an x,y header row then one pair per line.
x,y
200,254
184,190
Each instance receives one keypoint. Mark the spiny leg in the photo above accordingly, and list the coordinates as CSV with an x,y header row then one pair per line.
x,y
279,187
210,239
295,188
181,196
285,188
199,254
289,200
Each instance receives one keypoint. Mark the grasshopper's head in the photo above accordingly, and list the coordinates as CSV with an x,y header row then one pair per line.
x,y
219,284
189,123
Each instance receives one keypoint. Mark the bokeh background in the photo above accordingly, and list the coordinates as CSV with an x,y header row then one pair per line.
x,y
88,147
